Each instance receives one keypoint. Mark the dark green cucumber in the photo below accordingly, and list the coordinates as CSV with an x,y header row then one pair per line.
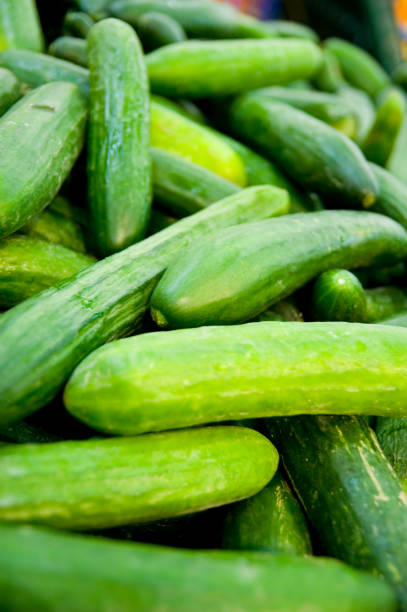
x,y
362,106
42,569
198,69
77,23
157,30
359,68
381,139
59,327
10,90
218,373
399,75
329,78
119,165
237,273
71,49
392,433
374,276
284,310
20,26
392,196
290,29
159,221
104,483
271,521
36,69
28,266
349,491
314,154
40,139
26,433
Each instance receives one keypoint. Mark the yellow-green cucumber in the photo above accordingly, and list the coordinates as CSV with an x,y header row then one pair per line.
x,y
20,26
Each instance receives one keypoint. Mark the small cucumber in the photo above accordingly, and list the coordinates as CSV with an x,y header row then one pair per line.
x,y
272,369
329,78
271,521
10,90
20,26
314,154
28,266
237,273
118,163
198,69
157,30
43,569
71,49
77,23
392,197
40,139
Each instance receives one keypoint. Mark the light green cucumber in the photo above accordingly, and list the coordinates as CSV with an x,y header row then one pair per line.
x,y
10,90
329,78
392,196
71,49
20,26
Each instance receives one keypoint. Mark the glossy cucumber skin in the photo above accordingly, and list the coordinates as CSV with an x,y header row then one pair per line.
x,y
392,196
59,327
198,69
119,164
218,373
9,90
103,483
20,26
41,567
382,136
314,154
36,69
157,30
71,49
271,521
237,273
40,139
28,266
349,491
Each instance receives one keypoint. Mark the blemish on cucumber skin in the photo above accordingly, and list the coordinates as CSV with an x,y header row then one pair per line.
x,y
46,107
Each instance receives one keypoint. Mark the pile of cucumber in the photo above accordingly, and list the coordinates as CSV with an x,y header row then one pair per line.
x,y
203,327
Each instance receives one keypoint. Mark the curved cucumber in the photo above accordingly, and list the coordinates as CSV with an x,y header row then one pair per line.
x,y
271,521
28,266
157,30
20,26
59,570
392,196
78,23
71,49
244,371
9,90
237,273
104,483
119,166
198,69
40,140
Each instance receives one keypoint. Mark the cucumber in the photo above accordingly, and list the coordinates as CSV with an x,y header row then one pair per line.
x,y
198,69
196,143
314,154
187,108
381,276
9,90
362,106
59,327
25,433
104,483
360,68
272,369
20,26
392,197
157,30
71,49
77,23
237,273
290,29
119,164
399,75
159,221
396,164
55,570
284,310
392,433
349,491
381,139
40,139
28,266
96,8
271,521
329,78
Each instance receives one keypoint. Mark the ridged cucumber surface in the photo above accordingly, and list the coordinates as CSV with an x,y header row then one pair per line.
x,y
20,26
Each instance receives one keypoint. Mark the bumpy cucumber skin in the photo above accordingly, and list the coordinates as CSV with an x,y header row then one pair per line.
x,y
9,90
218,373
380,140
392,197
20,26
237,273
314,154
40,568
349,491
157,30
36,69
71,49
104,483
271,521
119,165
59,327
28,266
40,139
196,69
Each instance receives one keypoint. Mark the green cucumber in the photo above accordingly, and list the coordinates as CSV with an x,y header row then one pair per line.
x,y
159,221
198,69
104,483
392,196
96,8
359,68
36,69
381,139
25,433
290,29
271,521
10,90
349,491
119,164
314,154
40,139
400,75
237,273
362,106
71,49
392,433
217,373
42,569
20,26
396,164
77,23
330,77
157,30
28,266
59,327
284,310
371,277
